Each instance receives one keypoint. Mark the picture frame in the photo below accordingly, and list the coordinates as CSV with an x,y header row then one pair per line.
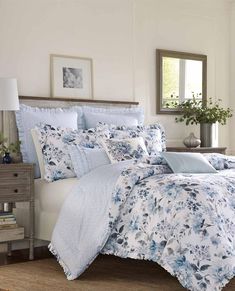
x,y
71,77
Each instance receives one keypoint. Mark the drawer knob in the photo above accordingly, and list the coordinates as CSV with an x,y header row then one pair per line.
x,y
16,190
15,175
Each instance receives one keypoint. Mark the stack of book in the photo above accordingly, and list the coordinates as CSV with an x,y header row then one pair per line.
x,y
7,220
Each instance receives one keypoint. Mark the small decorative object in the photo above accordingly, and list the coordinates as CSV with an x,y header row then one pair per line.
x,y
6,158
6,150
71,77
192,141
204,113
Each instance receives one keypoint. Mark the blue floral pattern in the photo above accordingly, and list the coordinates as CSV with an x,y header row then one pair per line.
x,y
153,135
184,222
54,143
157,159
220,162
125,149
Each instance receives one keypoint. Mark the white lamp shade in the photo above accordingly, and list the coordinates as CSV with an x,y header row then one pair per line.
x,y
9,99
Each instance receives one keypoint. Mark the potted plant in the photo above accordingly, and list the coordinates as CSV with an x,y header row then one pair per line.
x,y
204,113
7,149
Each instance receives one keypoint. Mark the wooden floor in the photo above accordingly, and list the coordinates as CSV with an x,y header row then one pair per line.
x,y
105,273
21,256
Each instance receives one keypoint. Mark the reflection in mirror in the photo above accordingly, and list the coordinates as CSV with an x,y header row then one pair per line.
x,y
181,76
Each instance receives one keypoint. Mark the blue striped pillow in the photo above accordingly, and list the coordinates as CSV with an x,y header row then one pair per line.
x,y
85,160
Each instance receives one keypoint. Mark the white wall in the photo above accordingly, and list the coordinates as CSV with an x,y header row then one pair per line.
x,y
232,75
183,25
121,36
30,30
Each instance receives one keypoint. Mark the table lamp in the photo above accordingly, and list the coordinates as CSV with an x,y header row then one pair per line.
x,y
9,99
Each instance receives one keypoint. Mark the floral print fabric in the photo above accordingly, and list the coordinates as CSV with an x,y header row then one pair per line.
x,y
220,162
153,135
54,143
125,149
184,222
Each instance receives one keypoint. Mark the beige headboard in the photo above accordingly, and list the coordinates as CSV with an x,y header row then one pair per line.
x,y
7,119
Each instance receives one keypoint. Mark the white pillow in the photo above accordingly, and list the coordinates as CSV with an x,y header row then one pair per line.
x,y
117,119
28,117
38,151
188,163
112,115
85,160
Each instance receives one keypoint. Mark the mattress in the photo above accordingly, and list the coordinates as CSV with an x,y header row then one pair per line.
x,y
49,198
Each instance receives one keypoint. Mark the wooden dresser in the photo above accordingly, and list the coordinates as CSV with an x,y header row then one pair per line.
x,y
220,150
17,185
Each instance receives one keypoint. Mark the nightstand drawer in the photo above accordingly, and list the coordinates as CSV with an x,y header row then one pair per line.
x,y
11,234
14,177
17,185
14,192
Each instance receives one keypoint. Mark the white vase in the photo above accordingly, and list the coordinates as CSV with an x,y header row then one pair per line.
x,y
192,141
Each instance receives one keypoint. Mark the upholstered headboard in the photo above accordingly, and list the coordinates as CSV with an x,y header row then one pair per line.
x,y
7,119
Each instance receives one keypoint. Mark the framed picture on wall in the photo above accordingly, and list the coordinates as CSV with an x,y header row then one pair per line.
x,y
71,77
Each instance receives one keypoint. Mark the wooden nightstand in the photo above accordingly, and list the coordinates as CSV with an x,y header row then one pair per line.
x,y
220,150
17,185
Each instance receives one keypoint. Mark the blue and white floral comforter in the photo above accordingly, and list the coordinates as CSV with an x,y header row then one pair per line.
x,y
184,222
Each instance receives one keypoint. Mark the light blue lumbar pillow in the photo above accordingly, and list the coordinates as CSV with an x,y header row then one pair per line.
x,y
85,160
28,117
188,163
112,115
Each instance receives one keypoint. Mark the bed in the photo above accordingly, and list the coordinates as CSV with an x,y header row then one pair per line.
x,y
184,222
49,198
136,201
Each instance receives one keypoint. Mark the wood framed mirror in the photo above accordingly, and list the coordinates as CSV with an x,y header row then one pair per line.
x,y
180,76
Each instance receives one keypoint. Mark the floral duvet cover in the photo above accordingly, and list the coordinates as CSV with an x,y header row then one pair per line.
x,y
183,222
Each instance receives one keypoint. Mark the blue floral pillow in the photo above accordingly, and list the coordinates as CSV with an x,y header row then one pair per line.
x,y
154,160
153,135
220,162
55,142
125,149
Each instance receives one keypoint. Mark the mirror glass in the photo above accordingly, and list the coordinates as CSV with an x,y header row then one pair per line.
x,y
181,76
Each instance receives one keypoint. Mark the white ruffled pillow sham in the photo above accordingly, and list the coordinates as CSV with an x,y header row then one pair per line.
x,y
112,115
28,117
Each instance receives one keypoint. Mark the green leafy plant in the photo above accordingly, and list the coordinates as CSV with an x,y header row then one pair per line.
x,y
174,101
11,148
195,111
